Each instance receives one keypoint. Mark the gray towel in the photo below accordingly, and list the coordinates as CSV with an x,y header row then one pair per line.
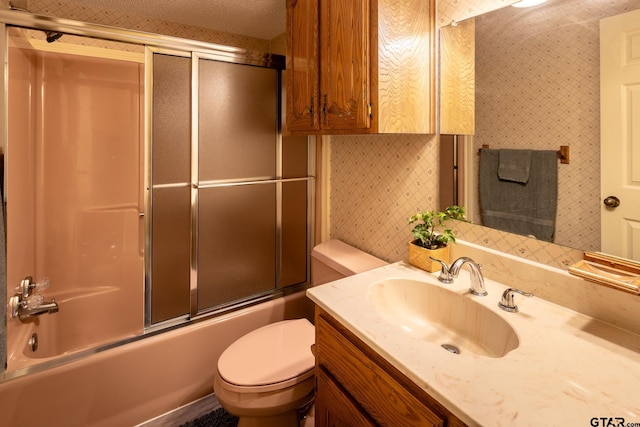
x,y
527,209
514,165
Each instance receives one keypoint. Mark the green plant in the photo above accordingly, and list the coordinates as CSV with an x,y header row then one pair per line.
x,y
425,230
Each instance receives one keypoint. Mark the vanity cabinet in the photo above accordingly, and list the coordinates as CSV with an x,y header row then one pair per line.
x,y
358,387
360,66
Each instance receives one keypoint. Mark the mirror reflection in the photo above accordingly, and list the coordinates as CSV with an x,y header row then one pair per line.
x,y
538,88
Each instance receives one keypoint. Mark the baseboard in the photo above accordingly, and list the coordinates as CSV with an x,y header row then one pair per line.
x,y
184,413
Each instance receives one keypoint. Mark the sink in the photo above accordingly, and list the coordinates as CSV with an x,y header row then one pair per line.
x,y
438,315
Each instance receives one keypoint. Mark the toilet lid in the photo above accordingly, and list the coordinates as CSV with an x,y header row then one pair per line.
x,y
270,354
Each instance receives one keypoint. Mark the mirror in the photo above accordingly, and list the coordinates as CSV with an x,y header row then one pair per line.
x,y
537,86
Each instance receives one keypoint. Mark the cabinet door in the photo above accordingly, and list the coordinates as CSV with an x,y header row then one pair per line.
x,y
334,408
302,65
345,64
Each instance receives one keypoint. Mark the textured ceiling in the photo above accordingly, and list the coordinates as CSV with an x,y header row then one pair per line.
x,y
264,19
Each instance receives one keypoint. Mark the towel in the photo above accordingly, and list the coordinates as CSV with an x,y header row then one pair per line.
x,y
514,165
527,209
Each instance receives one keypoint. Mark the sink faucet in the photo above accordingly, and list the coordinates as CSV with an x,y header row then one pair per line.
x,y
506,302
447,274
24,306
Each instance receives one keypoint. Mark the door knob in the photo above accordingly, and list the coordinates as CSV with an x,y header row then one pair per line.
x,y
611,202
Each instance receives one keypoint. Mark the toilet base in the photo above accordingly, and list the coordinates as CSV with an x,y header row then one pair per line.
x,y
278,408
282,420
288,419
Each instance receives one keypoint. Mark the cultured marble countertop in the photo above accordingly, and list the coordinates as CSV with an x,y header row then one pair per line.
x,y
567,369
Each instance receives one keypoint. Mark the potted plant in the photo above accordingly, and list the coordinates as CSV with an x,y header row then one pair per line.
x,y
432,237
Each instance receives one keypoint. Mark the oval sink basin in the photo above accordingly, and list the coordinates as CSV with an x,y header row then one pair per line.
x,y
438,315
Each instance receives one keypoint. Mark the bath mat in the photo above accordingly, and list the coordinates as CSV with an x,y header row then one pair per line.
x,y
216,418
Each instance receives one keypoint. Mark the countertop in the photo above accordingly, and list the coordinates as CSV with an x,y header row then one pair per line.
x,y
567,369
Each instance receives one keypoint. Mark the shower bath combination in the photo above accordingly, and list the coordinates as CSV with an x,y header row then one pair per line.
x,y
51,35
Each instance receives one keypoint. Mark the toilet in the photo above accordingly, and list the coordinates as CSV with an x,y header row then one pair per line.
x,y
267,376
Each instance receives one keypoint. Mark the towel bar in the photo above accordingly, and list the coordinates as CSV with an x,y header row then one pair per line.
x,y
563,153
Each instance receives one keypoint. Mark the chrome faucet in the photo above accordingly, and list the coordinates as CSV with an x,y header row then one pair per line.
x,y
24,306
22,309
506,302
447,274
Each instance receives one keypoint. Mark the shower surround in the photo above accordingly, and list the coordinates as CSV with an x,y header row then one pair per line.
x,y
73,122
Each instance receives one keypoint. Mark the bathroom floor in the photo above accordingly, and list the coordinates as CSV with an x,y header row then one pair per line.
x,y
197,409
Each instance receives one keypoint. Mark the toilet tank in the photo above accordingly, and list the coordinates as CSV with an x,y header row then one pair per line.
x,y
333,260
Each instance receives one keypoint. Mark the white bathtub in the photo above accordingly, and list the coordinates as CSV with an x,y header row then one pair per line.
x,y
129,384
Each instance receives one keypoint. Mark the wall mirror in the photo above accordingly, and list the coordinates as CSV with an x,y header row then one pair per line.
x,y
537,86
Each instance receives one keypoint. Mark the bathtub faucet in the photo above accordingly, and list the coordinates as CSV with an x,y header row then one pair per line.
x,y
24,305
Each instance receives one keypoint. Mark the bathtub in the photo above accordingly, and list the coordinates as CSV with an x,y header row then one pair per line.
x,y
128,384
85,320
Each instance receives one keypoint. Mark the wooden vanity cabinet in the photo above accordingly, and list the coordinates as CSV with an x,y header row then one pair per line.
x,y
360,66
357,387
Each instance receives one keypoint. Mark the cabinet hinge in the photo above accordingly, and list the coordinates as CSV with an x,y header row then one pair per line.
x,y
370,110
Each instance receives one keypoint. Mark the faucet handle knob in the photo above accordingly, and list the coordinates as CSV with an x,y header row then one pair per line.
x,y
26,286
445,274
506,302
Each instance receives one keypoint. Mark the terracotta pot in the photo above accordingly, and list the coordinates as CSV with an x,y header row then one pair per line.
x,y
421,257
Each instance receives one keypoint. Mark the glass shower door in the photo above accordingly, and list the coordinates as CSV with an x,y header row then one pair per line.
x,y
230,195
237,168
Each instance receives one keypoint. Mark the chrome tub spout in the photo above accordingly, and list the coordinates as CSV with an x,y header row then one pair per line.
x,y
21,309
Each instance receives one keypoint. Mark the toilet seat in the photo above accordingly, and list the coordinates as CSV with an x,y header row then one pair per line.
x,y
272,357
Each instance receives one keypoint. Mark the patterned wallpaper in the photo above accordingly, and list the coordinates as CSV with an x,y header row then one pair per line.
x,y
377,182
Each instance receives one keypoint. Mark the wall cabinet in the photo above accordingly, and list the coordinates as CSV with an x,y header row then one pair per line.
x,y
360,66
357,387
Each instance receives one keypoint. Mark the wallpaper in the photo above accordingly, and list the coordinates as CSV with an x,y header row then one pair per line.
x,y
377,183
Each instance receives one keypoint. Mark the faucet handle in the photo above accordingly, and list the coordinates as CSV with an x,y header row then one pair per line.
x,y
445,274
506,302
26,286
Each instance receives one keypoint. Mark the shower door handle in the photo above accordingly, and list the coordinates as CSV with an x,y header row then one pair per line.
x,y
611,202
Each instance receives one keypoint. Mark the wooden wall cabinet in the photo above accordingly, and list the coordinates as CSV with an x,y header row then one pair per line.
x,y
357,387
360,66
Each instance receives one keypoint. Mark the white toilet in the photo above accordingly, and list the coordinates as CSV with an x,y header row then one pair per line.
x,y
266,376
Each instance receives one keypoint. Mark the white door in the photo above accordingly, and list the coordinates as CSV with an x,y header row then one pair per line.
x,y
620,130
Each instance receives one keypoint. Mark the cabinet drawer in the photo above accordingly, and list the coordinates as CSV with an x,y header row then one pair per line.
x,y
379,394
